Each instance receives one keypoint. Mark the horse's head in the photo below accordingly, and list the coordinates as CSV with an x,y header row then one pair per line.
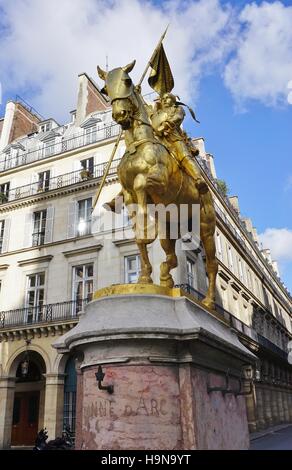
x,y
119,88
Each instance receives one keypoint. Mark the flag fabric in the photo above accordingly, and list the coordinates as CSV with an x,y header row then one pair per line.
x,y
161,78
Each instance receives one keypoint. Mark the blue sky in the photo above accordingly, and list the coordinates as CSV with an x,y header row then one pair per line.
x,y
232,61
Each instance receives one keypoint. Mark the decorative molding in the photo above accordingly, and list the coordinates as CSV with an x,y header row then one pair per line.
x,y
123,242
40,259
82,250
36,331
235,286
4,266
30,200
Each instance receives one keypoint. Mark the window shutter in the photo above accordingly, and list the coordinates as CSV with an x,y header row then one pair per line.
x,y
49,224
72,219
28,230
5,243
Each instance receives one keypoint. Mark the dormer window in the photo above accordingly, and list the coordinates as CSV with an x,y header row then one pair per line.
x,y
46,127
90,134
49,146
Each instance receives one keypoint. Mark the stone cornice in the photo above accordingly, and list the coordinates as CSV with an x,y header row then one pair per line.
x,y
55,193
4,266
40,259
123,242
82,250
41,247
37,330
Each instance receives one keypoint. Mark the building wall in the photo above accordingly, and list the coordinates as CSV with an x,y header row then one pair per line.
x,y
248,289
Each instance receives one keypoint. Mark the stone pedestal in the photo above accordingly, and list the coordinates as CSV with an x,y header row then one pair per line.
x,y
161,354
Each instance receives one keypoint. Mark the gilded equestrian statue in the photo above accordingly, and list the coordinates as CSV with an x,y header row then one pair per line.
x,y
149,173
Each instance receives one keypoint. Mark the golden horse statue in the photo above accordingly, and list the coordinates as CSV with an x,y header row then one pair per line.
x,y
149,174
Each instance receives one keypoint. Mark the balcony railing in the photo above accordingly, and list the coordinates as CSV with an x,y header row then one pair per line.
x,y
60,181
236,323
66,145
49,313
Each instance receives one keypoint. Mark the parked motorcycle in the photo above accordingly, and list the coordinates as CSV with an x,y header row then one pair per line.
x,y
60,443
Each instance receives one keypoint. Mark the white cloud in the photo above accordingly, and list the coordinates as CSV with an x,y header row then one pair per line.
x,y
280,243
48,43
262,66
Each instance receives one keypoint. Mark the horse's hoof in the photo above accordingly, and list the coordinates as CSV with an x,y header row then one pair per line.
x,y
208,303
167,283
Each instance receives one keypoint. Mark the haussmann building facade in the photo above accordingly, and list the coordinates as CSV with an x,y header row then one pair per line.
x,y
51,261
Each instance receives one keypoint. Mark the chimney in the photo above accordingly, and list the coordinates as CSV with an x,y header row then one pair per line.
x,y
18,121
276,268
89,99
266,252
210,160
248,224
234,202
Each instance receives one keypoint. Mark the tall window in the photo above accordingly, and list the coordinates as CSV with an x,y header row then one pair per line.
x,y
240,269
70,387
84,217
39,227
82,285
44,180
49,147
132,268
190,272
219,246
230,257
90,134
88,164
35,297
4,192
2,226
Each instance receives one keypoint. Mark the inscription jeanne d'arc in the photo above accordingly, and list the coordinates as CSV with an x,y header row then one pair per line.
x,y
112,409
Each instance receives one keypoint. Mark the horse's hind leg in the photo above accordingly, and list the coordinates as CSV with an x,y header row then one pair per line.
x,y
168,245
208,222
142,235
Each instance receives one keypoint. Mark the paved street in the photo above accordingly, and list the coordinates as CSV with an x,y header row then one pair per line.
x,y
277,440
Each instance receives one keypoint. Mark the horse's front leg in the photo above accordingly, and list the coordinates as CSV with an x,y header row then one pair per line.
x,y
143,238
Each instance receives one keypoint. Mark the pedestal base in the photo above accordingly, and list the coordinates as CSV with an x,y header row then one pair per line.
x,y
161,354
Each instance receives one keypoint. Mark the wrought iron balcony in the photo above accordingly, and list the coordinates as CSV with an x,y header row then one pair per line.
x,y
59,147
43,314
236,323
60,181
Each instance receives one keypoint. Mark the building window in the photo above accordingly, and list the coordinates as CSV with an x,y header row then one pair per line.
x,y
4,192
45,127
35,297
87,166
90,135
70,387
190,272
7,159
230,258
49,147
44,181
82,285
2,227
219,246
240,269
39,227
84,217
132,268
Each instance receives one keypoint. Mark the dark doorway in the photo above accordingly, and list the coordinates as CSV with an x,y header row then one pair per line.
x,y
25,418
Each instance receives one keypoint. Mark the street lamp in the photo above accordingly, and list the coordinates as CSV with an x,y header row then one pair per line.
x,y
25,363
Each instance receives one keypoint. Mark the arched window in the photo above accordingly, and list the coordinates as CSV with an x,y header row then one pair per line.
x,y
70,386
